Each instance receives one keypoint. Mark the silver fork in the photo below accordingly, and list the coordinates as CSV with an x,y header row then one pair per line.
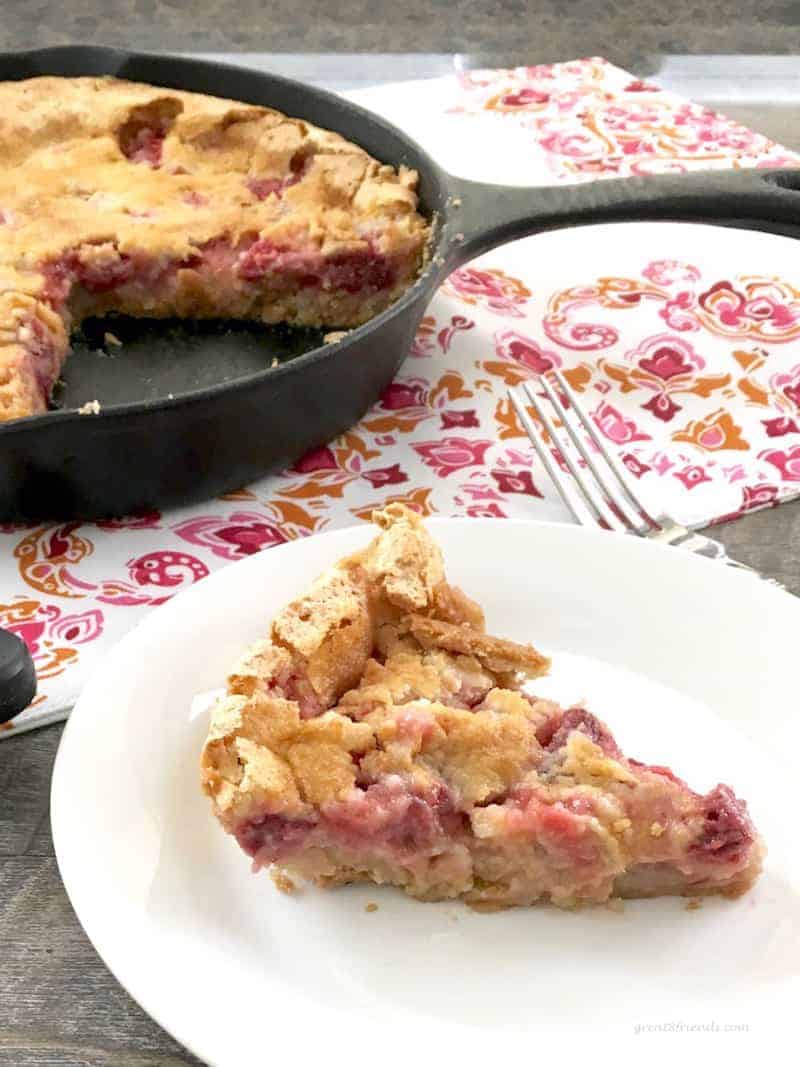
x,y
601,493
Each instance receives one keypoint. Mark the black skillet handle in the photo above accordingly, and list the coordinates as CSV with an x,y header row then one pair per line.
x,y
483,216
17,676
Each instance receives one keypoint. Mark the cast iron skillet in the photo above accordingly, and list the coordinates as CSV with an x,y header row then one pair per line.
x,y
193,413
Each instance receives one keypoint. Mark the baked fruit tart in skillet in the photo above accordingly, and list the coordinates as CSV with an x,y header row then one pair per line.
x,y
175,206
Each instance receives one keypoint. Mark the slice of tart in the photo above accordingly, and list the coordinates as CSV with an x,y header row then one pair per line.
x,y
122,197
379,734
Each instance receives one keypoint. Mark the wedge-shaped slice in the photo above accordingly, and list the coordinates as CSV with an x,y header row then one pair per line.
x,y
379,734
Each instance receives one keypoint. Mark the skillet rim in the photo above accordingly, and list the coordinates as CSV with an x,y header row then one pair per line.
x,y
430,276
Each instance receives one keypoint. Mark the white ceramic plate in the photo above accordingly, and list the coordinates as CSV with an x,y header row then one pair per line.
x,y
692,664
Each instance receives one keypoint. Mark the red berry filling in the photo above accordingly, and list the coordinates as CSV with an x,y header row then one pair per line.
x,y
97,269
101,268
272,837
146,146
727,830
415,725
58,280
471,695
389,815
219,256
297,687
561,828
293,684
261,188
352,272
43,351
141,138
586,723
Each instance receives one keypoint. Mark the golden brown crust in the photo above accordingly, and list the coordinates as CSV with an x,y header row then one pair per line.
x,y
73,182
403,566
319,649
330,631
260,754
68,135
494,653
22,315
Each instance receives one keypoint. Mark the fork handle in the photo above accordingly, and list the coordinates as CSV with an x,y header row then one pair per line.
x,y
706,546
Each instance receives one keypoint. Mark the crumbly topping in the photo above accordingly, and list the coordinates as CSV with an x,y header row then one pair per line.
x,y
120,196
586,763
283,882
380,724
404,565
193,185
319,654
494,653
334,336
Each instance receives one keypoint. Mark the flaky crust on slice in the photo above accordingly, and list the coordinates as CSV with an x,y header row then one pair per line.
x,y
494,653
320,649
379,733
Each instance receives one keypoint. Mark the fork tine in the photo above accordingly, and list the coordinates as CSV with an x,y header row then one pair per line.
x,y
630,517
565,491
611,459
593,498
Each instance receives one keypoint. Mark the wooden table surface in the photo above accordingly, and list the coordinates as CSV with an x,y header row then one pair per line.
x,y
59,1005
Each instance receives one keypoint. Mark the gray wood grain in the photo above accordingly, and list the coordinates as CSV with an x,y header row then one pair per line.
x,y
59,1005
503,31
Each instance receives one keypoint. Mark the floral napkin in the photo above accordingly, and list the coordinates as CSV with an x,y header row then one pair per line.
x,y
684,341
